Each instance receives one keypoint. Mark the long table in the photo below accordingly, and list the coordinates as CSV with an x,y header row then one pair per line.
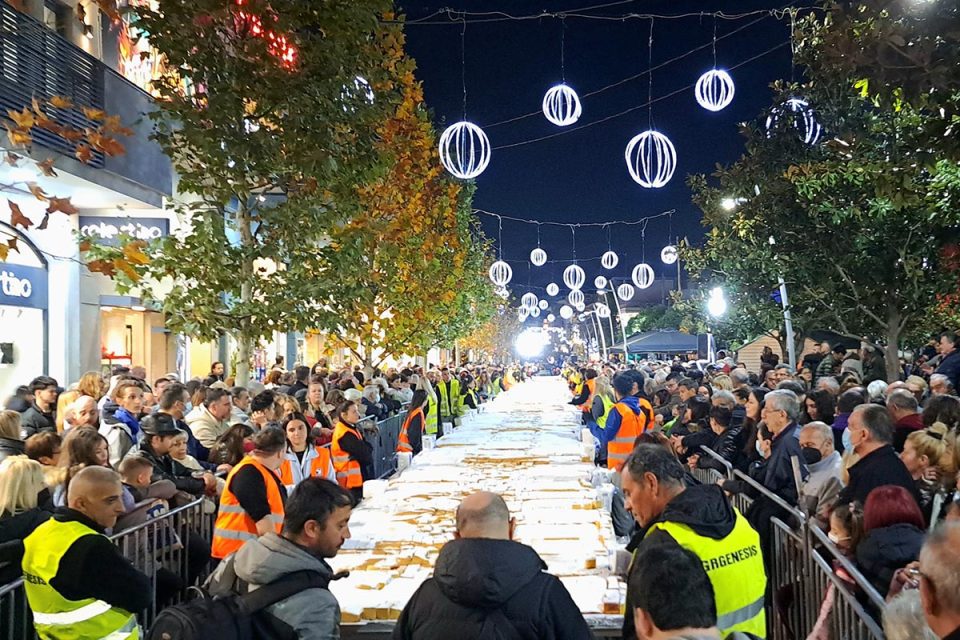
x,y
524,446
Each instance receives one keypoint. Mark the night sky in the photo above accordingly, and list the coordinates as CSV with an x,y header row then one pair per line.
x,y
581,176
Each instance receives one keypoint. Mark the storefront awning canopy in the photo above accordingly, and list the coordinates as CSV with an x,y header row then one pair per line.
x,y
659,342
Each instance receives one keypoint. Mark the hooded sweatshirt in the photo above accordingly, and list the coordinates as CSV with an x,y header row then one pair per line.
x,y
490,589
313,614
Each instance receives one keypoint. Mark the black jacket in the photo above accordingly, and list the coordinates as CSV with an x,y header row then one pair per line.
x,y
474,579
885,550
166,468
881,467
33,420
778,478
704,508
361,451
11,447
727,444
13,529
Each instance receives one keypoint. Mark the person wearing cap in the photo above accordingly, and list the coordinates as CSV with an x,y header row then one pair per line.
x,y
159,432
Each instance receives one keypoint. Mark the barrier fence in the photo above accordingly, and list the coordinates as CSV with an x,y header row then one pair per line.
x,y
812,586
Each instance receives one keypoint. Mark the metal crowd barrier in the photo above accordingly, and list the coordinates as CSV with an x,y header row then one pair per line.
x,y
383,436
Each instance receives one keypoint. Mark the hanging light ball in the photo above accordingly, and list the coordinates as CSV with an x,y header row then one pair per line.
x,y
566,312
575,297
522,314
714,90
464,150
651,159
552,289
579,306
643,275
551,318
609,260
535,312
668,255
543,304
538,257
528,300
603,311
574,277
561,105
601,292
500,273
802,118
625,291
503,292
600,282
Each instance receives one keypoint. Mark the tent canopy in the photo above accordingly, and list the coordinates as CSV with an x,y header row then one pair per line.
x,y
659,342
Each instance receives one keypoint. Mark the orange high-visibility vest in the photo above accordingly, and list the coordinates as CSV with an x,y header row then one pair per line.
x,y
403,442
348,469
234,526
631,426
587,406
292,471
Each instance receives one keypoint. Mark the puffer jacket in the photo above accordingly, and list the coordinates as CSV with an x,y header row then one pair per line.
x,y
313,614
11,447
885,550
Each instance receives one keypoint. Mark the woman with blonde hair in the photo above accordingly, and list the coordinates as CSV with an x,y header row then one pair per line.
x,y
91,384
924,456
64,400
22,491
10,442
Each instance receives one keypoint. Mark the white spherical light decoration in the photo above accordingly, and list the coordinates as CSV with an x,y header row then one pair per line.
x,y
580,306
566,312
522,313
601,292
500,273
464,150
603,311
625,291
668,255
600,282
574,277
552,289
802,117
535,312
551,318
651,159
575,297
609,260
528,300
543,304
643,275
538,257
714,90
561,105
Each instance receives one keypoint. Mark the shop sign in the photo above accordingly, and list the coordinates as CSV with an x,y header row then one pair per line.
x,y
108,230
22,286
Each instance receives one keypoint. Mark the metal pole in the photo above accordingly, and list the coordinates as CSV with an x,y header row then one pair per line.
x,y
623,329
589,338
603,340
610,322
788,323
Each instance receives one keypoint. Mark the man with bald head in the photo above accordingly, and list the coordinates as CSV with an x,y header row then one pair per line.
x,y
486,585
77,582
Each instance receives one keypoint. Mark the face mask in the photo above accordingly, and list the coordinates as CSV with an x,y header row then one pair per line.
x,y
189,406
835,539
847,443
759,448
811,455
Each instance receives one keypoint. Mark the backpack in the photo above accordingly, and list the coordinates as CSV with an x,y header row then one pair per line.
x,y
235,617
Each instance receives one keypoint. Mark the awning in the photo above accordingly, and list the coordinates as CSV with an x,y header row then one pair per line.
x,y
659,342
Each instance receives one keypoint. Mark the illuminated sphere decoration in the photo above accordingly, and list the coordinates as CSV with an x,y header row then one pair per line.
x,y
625,291
609,260
580,306
575,297
801,116
543,304
538,257
574,277
603,311
500,273
668,255
714,90
600,282
561,105
643,275
535,312
522,314
651,159
552,289
566,312
464,150
551,318
529,300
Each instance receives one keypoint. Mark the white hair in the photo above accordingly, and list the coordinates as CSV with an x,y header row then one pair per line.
x,y
903,618
784,400
876,389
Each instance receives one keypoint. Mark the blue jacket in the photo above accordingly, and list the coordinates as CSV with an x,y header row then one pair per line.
x,y
950,367
778,477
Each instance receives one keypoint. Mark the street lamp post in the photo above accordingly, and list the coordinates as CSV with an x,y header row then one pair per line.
x,y
787,318
623,330
716,307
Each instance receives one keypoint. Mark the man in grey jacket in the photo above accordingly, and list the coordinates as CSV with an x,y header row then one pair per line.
x,y
315,525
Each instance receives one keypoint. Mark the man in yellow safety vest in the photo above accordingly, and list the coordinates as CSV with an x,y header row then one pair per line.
x,y
77,582
700,519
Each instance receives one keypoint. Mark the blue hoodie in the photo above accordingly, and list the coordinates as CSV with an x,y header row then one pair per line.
x,y
613,418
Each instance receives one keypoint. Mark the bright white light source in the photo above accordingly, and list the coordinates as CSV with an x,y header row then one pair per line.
x,y
651,159
566,312
714,90
575,297
561,105
625,291
579,306
574,277
522,314
603,311
552,289
538,257
530,343
802,117
500,273
528,300
551,318
728,204
609,260
716,304
543,304
600,282
668,255
643,275
464,150
535,312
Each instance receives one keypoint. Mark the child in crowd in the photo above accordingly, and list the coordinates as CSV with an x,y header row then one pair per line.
x,y
135,472
179,453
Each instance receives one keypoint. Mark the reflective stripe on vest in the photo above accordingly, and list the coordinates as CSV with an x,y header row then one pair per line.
x,y
349,475
592,388
734,565
631,426
430,424
403,441
607,406
316,462
234,526
54,616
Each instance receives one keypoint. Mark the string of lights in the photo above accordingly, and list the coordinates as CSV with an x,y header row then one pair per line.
x,y
452,16
575,225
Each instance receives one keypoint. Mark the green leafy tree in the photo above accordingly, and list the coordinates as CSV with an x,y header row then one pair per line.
x,y
269,112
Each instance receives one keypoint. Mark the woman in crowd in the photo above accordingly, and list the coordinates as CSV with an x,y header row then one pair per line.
x,y
91,384
923,455
820,406
122,426
352,454
469,393
272,381
64,400
302,459
10,442
894,528
251,504
411,433
287,405
22,490
230,448
945,409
